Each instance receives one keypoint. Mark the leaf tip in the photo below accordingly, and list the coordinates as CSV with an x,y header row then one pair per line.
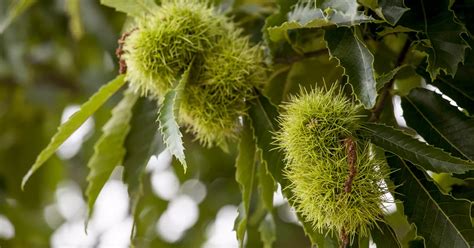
x,y
26,178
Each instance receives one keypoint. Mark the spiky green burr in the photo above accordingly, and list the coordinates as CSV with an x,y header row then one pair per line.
x,y
315,129
226,67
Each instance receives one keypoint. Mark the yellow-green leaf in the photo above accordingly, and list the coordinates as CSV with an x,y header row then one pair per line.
x,y
109,149
74,122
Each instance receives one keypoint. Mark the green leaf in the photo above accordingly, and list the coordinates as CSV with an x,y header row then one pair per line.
x,y
169,111
277,18
442,220
384,236
134,8
74,122
109,150
267,186
362,242
461,87
439,122
290,79
14,10
387,77
245,175
446,47
264,121
267,229
143,140
417,152
357,61
392,10
320,14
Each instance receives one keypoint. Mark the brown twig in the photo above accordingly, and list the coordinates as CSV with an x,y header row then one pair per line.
x,y
344,238
351,151
385,92
119,51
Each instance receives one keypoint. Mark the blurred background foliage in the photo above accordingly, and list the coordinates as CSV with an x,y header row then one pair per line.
x,y
53,56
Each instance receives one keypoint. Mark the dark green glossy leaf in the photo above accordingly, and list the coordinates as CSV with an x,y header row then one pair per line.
x,y
357,61
392,10
461,87
74,122
464,190
439,122
446,47
413,150
109,149
442,220
384,236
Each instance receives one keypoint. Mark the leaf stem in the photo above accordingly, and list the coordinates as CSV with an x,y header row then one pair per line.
x,y
344,238
385,92
351,151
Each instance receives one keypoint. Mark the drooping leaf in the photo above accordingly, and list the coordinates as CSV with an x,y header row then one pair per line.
x,y
439,122
267,229
446,47
267,186
320,14
74,122
264,121
413,150
143,140
442,220
134,8
245,175
385,236
14,10
357,61
169,111
109,149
